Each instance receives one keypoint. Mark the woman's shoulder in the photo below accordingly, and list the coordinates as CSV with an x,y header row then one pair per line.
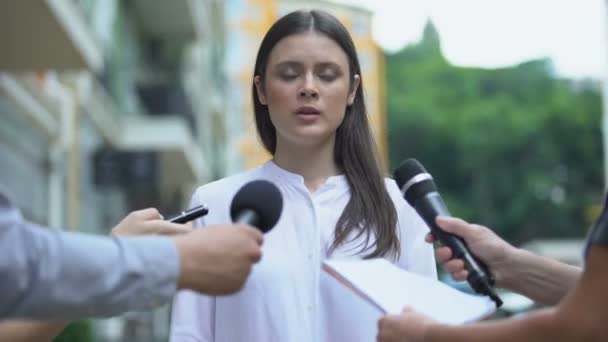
x,y
393,190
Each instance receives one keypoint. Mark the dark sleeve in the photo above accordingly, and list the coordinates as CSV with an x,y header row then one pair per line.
x,y
598,235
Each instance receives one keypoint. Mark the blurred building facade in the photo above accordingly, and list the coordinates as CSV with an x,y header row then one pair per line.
x,y
107,106
248,21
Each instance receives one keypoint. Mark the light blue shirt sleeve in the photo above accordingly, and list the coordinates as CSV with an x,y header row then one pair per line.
x,y
47,274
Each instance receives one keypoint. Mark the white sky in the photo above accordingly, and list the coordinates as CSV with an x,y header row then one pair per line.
x,y
493,33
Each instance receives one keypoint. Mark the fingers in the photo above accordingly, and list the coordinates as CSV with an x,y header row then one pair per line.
x,y
429,238
250,239
460,276
147,214
255,253
150,228
252,232
382,322
454,266
443,254
153,223
167,228
457,226
407,309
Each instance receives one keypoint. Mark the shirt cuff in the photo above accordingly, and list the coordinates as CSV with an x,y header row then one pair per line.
x,y
161,260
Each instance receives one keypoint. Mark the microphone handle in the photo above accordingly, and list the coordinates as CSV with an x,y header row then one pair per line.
x,y
248,216
480,278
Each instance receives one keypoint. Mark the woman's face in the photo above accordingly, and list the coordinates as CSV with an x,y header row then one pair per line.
x,y
306,88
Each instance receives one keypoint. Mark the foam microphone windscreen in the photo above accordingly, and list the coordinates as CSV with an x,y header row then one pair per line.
x,y
263,198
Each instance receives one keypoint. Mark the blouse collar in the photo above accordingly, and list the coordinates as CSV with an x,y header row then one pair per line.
x,y
275,171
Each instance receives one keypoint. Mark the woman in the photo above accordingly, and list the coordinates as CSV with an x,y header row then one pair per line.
x,y
310,115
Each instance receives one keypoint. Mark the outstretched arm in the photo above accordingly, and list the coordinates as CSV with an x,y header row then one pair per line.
x,y
542,279
47,274
136,223
579,317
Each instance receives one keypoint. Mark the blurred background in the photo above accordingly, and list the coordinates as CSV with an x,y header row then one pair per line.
x,y
108,106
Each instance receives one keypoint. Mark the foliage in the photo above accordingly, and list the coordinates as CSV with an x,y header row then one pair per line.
x,y
78,331
514,148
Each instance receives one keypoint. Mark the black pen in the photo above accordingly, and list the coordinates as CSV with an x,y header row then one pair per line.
x,y
190,214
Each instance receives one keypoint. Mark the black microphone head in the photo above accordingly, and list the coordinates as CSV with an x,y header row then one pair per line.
x,y
413,179
262,197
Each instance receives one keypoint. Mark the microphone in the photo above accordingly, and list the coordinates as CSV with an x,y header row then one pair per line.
x,y
258,203
420,192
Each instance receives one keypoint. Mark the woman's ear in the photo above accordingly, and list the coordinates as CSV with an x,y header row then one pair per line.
x,y
259,87
353,91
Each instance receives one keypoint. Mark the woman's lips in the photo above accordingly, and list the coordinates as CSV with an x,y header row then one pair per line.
x,y
308,114
307,110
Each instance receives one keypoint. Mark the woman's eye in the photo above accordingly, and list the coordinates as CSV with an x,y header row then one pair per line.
x,y
289,76
327,76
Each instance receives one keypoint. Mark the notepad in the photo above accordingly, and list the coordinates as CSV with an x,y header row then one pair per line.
x,y
390,289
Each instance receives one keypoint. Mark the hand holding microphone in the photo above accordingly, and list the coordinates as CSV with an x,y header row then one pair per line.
x,y
217,259
420,192
495,252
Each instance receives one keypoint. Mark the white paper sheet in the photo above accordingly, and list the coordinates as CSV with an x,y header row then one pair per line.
x,y
389,289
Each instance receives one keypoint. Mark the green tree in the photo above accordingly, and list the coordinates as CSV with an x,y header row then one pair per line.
x,y
78,331
515,148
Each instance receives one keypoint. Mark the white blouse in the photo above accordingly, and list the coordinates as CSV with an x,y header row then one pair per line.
x,y
287,297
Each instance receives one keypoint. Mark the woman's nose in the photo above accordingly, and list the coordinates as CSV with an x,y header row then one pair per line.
x,y
309,90
309,93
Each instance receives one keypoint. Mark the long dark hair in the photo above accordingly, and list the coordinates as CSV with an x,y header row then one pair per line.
x,y
370,210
